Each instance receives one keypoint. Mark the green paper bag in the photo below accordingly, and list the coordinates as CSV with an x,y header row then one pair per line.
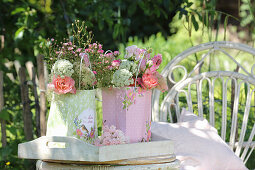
x,y
73,115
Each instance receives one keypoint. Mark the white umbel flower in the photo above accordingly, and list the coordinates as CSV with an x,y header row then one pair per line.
x,y
122,78
129,65
63,68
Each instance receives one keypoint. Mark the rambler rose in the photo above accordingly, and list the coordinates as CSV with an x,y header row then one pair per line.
x,y
64,85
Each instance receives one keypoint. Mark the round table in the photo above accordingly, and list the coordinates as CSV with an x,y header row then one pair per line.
x,y
41,165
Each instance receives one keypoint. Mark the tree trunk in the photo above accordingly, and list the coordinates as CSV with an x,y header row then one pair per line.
x,y
27,115
42,87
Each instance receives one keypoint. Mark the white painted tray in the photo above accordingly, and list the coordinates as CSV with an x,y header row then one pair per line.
x,y
73,149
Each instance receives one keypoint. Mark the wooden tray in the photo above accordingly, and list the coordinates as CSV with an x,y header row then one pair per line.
x,y
68,149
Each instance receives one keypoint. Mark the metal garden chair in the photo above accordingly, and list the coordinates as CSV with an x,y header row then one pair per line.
x,y
214,81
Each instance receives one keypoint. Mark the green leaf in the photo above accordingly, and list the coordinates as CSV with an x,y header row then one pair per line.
x,y
194,22
18,10
116,30
4,115
225,27
19,33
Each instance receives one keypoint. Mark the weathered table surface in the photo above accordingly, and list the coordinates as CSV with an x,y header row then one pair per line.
x,y
41,165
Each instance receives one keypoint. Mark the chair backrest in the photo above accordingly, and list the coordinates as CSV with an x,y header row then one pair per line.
x,y
217,82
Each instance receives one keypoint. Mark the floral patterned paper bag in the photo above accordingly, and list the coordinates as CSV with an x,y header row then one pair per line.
x,y
73,115
128,111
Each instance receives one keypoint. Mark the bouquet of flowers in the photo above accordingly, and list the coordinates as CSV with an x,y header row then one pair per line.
x,y
139,69
69,63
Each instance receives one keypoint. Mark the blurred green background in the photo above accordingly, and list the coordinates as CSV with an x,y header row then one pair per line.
x,y
167,26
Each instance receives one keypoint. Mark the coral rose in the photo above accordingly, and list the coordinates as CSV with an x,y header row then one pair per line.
x,y
149,80
64,85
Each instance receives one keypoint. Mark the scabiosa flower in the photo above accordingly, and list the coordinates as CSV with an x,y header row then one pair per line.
x,y
130,50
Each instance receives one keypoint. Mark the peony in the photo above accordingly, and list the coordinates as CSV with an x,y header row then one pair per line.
x,y
149,80
64,85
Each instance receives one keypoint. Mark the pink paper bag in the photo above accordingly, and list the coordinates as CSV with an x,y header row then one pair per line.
x,y
134,120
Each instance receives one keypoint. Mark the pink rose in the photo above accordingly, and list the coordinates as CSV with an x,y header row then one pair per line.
x,y
100,51
149,80
64,85
157,60
99,46
116,63
116,53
